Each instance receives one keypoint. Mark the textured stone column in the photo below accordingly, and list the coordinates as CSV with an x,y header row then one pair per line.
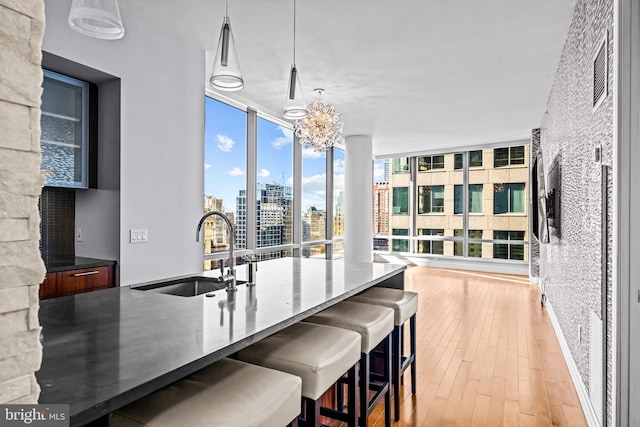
x,y
21,268
358,206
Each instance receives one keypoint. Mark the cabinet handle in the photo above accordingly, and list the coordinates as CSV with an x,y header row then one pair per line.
x,y
86,273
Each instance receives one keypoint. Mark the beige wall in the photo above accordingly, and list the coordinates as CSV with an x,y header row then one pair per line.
x,y
21,268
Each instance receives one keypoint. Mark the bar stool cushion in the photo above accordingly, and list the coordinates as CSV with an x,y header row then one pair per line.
x,y
403,303
227,393
318,354
372,322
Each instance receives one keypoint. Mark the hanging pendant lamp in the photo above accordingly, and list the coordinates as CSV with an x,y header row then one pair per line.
x,y
294,107
226,74
99,19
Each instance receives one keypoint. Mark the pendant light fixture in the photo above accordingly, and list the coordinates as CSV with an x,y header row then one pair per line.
x,y
99,19
294,107
322,128
226,74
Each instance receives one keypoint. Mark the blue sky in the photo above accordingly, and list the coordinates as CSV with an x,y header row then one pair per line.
x,y
225,158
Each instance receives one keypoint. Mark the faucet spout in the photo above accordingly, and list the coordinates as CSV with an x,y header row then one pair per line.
x,y
231,234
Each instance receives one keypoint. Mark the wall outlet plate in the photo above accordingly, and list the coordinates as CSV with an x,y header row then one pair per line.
x,y
138,235
79,234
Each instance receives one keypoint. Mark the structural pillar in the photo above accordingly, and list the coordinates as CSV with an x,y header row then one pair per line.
x,y
358,205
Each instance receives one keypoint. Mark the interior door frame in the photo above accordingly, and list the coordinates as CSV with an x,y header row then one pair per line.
x,y
626,307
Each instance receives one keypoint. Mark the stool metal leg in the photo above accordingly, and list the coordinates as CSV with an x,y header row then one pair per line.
x,y
352,395
412,325
396,356
364,388
387,375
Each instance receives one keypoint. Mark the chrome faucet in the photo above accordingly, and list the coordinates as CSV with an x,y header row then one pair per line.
x,y
229,279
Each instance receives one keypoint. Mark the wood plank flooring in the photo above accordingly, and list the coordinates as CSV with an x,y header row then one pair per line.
x,y
487,355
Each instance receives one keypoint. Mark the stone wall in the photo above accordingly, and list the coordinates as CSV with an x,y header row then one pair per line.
x,y
571,131
21,268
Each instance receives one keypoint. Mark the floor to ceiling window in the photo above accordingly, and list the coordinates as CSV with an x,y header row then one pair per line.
x,y
338,202
259,200
470,204
225,147
380,204
314,202
274,191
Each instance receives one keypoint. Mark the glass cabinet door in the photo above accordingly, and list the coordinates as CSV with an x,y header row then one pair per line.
x,y
64,127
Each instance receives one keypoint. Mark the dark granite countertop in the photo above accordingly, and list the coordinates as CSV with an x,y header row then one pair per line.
x,y
105,349
58,264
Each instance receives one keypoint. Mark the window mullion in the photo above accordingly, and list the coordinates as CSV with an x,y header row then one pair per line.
x,y
251,183
465,203
297,196
329,213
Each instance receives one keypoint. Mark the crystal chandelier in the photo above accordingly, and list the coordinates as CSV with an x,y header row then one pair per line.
x,y
322,127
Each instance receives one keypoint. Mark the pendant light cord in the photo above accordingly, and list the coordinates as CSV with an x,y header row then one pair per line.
x,y
294,32
226,8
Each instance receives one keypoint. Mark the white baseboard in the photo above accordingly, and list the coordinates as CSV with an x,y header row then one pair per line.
x,y
583,393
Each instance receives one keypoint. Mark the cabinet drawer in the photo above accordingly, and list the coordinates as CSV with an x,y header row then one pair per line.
x,y
75,281
48,287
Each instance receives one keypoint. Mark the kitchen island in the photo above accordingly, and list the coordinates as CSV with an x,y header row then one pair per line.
x,y
105,349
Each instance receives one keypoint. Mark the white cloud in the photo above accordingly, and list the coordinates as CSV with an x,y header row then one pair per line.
x,y
338,183
236,172
207,166
225,143
315,185
308,153
264,173
285,139
338,166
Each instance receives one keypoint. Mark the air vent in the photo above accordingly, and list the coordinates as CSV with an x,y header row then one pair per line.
x,y
600,70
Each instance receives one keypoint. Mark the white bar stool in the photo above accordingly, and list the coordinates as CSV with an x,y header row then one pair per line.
x,y
320,355
374,324
227,393
405,306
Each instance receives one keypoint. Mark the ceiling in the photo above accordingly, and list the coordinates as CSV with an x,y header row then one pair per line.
x,y
416,75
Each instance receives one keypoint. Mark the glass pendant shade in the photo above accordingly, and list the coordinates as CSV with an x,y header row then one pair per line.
x,y
294,107
99,19
226,74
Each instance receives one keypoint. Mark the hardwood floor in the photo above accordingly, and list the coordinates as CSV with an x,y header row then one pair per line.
x,y
487,355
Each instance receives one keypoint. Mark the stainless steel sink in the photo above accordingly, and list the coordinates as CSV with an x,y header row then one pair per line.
x,y
187,287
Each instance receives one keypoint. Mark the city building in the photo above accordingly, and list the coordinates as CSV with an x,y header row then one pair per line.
x,y
313,228
381,212
214,230
432,205
338,216
274,217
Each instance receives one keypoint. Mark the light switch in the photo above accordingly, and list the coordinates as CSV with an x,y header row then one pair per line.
x,y
138,235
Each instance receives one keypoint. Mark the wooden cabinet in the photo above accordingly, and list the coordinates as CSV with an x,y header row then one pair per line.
x,y
77,281
48,287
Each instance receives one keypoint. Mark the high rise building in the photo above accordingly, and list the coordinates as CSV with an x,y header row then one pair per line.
x,y
274,217
338,216
381,213
214,230
436,202
386,170
315,221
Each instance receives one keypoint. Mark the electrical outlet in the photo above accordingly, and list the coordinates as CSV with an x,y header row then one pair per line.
x,y
79,234
138,235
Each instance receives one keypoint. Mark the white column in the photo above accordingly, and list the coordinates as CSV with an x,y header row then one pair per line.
x,y
358,205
